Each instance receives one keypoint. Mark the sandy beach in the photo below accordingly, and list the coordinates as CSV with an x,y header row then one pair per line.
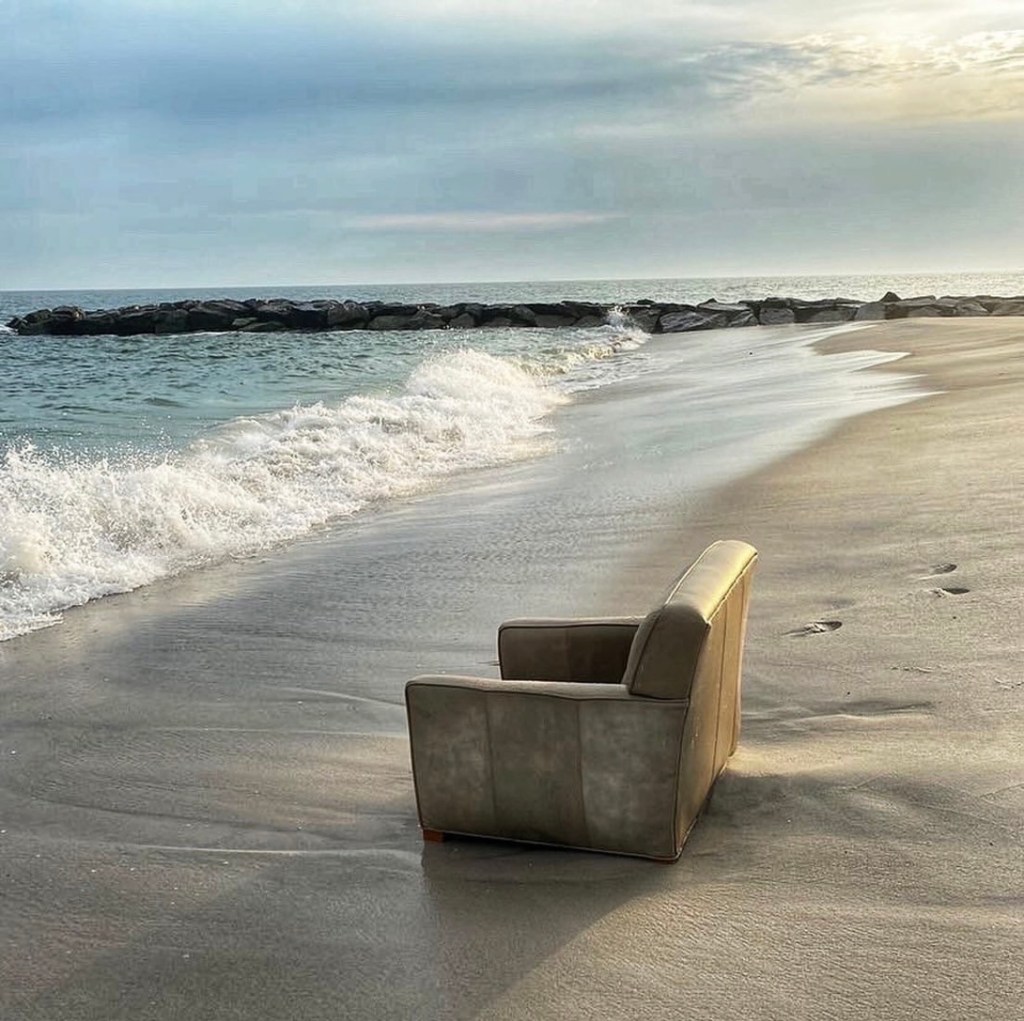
x,y
206,808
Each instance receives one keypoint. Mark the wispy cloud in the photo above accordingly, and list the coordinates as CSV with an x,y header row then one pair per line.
x,y
981,74
478,221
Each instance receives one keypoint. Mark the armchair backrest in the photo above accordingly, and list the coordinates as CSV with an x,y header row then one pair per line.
x,y
697,630
691,647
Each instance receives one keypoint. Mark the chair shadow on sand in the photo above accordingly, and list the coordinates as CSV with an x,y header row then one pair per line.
x,y
374,924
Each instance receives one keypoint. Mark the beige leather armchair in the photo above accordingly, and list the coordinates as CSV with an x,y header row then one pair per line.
x,y
605,734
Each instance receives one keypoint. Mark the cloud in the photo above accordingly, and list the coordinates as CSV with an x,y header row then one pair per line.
x,y
978,74
171,134
482,221
205,78
186,65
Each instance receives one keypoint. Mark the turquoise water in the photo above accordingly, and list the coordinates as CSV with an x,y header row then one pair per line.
x,y
124,460
101,393
97,394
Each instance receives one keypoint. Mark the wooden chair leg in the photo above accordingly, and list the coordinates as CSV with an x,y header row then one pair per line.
x,y
433,836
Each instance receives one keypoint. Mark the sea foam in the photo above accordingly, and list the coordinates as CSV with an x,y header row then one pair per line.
x,y
74,528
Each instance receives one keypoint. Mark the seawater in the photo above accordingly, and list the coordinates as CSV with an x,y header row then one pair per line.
x,y
124,460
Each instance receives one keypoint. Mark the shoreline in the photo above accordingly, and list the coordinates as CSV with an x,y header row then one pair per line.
x,y
194,831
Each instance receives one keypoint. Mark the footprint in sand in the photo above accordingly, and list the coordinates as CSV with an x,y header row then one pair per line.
x,y
946,567
815,627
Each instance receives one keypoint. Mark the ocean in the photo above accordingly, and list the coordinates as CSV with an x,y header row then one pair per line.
x,y
124,461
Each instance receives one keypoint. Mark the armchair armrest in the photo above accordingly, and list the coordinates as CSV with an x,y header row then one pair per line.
x,y
425,683
582,765
586,649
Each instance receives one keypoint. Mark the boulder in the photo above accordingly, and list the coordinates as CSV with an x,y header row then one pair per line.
x,y
685,320
170,320
273,309
463,321
37,329
1009,307
129,322
524,314
772,302
969,307
771,315
822,302
914,308
567,311
99,323
308,315
470,308
389,323
744,318
729,314
871,310
341,314
890,296
553,322
899,309
65,321
823,310
384,308
507,314
711,315
550,308
41,315
579,309
644,316
990,302
418,320
839,314
215,315
430,321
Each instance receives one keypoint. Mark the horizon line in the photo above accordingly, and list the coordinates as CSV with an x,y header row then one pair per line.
x,y
549,280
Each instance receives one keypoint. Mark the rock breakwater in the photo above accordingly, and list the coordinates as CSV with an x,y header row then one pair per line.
x,y
272,315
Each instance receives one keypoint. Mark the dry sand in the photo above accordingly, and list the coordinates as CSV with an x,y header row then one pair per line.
x,y
862,857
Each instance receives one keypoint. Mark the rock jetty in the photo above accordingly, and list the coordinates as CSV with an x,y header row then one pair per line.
x,y
259,315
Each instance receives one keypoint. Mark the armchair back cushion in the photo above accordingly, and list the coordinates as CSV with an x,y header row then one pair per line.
x,y
690,647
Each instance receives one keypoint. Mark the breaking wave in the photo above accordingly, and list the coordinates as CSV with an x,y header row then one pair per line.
x,y
74,528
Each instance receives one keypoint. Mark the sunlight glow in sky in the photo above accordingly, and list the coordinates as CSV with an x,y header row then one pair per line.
x,y
180,143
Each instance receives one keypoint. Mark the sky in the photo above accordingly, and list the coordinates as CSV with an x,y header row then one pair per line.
x,y
151,143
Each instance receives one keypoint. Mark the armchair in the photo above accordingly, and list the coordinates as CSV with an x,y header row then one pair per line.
x,y
604,734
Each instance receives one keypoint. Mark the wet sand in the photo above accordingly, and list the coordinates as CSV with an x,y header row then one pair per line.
x,y
205,794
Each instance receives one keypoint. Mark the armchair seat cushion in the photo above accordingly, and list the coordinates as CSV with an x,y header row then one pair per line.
x,y
587,649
